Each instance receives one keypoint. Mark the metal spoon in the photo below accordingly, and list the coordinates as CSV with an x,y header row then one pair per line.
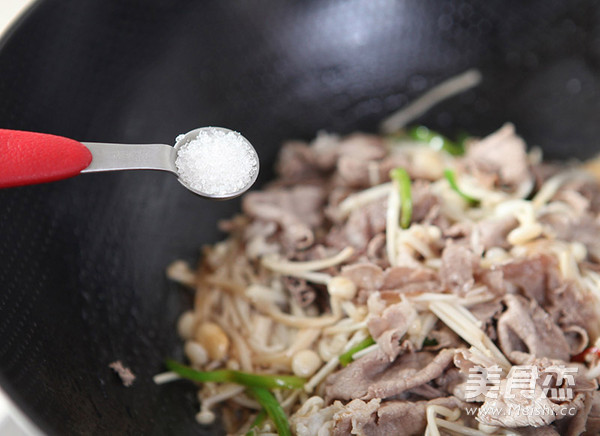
x,y
30,158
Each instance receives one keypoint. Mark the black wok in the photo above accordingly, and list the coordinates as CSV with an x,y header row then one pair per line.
x,y
82,261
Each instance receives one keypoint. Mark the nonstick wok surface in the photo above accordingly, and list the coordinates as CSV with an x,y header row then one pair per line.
x,y
82,261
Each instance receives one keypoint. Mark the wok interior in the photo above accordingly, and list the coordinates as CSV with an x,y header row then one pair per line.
x,y
82,261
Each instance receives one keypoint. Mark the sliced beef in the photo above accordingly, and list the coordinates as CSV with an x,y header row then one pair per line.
x,y
488,314
334,198
467,361
543,171
363,147
296,162
357,231
525,326
577,337
407,280
372,376
325,149
394,415
364,275
424,392
313,418
575,412
443,338
389,417
541,411
493,279
424,202
451,382
376,251
577,203
547,365
360,227
459,231
355,416
493,231
356,153
501,154
582,228
517,399
297,211
388,328
411,288
576,425
534,277
353,172
458,266
574,310
588,187
573,305
398,276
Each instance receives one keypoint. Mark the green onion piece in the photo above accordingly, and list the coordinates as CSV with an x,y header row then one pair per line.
x,y
436,140
346,358
401,177
430,342
273,409
258,421
449,174
266,381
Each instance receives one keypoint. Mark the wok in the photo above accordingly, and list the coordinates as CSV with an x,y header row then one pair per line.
x,y
82,261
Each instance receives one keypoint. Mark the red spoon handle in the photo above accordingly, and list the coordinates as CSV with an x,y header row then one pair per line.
x,y
27,158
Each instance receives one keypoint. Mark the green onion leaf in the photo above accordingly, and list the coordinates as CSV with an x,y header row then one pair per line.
x,y
273,409
449,174
436,140
346,358
258,421
266,381
402,179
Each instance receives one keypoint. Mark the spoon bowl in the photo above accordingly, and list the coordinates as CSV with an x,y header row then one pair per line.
x,y
186,138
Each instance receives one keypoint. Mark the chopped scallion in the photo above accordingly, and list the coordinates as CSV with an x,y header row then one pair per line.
x,y
450,176
436,140
273,409
402,179
346,358
266,381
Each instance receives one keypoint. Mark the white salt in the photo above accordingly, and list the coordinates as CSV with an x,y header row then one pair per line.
x,y
217,162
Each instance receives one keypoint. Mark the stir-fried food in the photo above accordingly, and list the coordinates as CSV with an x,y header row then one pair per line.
x,y
400,285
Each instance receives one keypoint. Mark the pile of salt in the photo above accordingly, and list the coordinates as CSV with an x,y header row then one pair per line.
x,y
217,162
